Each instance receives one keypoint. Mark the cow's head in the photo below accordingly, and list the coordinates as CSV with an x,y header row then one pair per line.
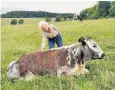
x,y
91,49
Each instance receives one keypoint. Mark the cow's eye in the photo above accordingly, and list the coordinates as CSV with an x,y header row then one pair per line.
x,y
94,46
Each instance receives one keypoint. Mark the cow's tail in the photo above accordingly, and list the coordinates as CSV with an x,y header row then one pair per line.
x,y
13,70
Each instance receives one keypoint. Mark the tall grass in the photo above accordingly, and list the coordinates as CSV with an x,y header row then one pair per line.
x,y
20,39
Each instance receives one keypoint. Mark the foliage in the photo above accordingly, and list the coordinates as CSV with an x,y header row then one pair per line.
x,y
21,21
31,14
65,17
70,16
112,9
13,22
58,18
48,19
101,10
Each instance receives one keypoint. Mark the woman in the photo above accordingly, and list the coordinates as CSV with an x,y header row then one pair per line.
x,y
51,33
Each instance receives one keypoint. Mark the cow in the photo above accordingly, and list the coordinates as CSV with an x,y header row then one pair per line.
x,y
77,17
66,60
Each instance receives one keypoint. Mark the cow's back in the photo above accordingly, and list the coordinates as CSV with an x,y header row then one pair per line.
x,y
43,62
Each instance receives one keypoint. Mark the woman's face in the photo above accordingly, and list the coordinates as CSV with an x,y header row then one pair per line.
x,y
45,28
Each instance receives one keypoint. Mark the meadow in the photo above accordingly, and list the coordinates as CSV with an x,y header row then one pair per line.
x,y
17,40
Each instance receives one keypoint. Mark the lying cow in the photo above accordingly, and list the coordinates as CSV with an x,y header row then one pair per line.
x,y
53,61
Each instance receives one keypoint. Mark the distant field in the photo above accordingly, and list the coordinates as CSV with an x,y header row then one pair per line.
x,y
20,39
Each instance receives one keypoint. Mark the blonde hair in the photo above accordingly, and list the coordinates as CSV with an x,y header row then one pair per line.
x,y
42,23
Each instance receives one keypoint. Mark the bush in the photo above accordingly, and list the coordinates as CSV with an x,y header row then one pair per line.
x,y
58,18
65,18
70,16
14,22
21,21
47,19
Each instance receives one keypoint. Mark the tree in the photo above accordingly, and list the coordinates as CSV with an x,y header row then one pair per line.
x,y
70,16
31,14
14,22
113,3
103,8
65,17
112,9
21,21
47,19
58,18
83,14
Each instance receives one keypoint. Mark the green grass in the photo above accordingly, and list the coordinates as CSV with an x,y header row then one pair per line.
x,y
20,39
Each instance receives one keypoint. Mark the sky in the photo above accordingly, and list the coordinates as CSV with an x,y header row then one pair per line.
x,y
50,6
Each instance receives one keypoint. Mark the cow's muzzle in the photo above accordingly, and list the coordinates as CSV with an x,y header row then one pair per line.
x,y
102,56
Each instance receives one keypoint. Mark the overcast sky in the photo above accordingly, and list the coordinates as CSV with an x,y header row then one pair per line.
x,y
50,6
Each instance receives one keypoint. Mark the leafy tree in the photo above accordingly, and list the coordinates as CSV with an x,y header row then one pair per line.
x,y
113,3
58,18
21,21
103,8
70,16
83,14
65,17
47,19
14,22
112,9
31,14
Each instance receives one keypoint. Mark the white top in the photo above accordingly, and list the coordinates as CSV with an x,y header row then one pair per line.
x,y
45,35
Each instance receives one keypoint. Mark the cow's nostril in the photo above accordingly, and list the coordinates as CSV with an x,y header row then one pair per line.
x,y
103,55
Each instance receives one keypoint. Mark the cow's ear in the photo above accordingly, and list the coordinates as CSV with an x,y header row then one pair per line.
x,y
82,40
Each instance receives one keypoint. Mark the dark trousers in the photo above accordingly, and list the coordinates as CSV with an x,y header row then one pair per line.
x,y
57,40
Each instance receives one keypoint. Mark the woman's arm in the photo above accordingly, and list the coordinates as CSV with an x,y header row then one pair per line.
x,y
43,44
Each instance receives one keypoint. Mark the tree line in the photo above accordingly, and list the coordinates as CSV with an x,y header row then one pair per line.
x,y
34,14
103,9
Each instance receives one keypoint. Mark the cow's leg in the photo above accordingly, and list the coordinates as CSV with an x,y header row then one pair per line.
x,y
85,70
79,69
63,71
82,70
74,71
29,76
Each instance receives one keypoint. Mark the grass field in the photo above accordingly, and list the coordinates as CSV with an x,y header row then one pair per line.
x,y
17,40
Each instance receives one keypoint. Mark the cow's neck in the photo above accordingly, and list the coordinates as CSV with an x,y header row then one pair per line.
x,y
74,54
